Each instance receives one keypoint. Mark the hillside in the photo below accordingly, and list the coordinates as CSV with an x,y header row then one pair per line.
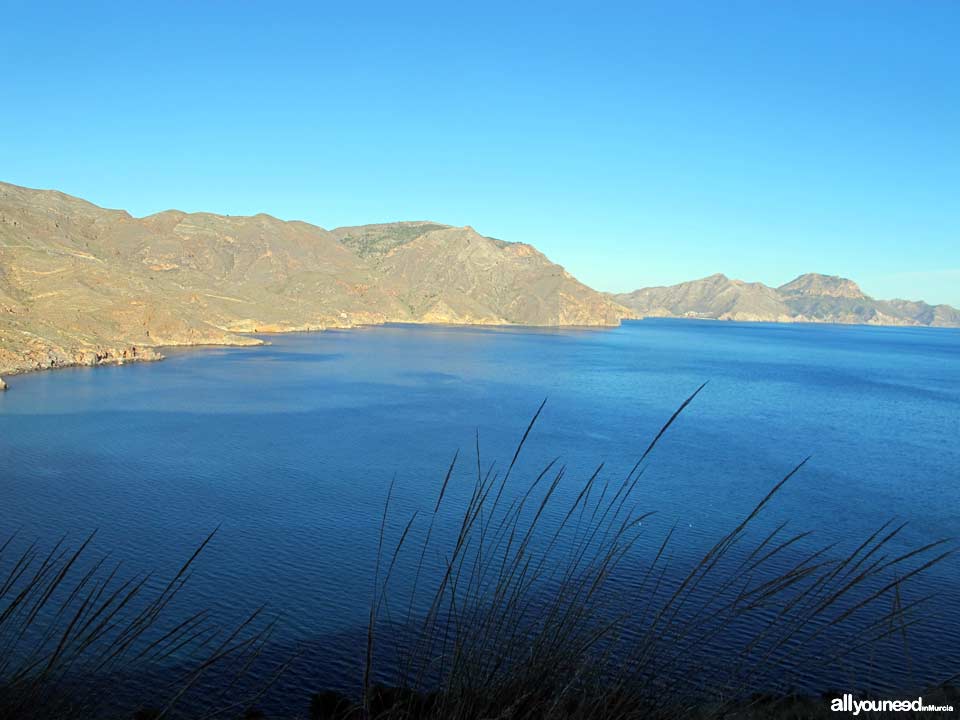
x,y
808,298
455,275
80,284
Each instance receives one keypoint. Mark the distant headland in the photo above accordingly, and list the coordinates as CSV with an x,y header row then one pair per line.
x,y
809,298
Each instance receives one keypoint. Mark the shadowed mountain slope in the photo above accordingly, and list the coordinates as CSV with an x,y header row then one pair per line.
x,y
808,298
80,284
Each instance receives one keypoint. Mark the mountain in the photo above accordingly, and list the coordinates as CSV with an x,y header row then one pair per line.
x,y
808,298
455,275
80,284
822,286
716,296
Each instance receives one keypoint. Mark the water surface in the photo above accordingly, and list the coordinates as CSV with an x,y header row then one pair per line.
x,y
290,448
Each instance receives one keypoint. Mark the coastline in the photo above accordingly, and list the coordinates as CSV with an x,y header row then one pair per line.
x,y
99,356
91,357
787,321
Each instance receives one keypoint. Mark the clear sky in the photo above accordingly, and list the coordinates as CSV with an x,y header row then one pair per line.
x,y
636,144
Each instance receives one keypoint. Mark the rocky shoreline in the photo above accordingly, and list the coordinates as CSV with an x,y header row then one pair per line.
x,y
52,359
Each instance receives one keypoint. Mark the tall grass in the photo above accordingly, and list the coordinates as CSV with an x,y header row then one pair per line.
x,y
75,634
547,609
538,602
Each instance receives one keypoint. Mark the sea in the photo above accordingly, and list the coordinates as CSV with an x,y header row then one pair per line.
x,y
290,451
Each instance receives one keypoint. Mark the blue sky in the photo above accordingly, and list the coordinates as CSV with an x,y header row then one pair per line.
x,y
636,144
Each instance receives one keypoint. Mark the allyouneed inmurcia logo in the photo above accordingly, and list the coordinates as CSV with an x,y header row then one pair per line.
x,y
846,703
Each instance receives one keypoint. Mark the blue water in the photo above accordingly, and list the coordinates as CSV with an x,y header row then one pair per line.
x,y
290,448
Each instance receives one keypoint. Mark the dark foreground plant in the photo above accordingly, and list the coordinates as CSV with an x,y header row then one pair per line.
x,y
535,606
528,612
74,636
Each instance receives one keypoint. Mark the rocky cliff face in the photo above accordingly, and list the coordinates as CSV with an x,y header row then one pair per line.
x,y
80,284
808,298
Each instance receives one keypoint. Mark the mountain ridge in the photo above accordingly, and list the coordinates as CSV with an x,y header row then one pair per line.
x,y
811,297
81,284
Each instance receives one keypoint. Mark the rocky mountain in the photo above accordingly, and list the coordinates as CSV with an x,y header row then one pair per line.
x,y
716,296
829,286
455,275
808,298
80,284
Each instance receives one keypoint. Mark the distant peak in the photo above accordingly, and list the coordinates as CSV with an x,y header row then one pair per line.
x,y
816,284
817,277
